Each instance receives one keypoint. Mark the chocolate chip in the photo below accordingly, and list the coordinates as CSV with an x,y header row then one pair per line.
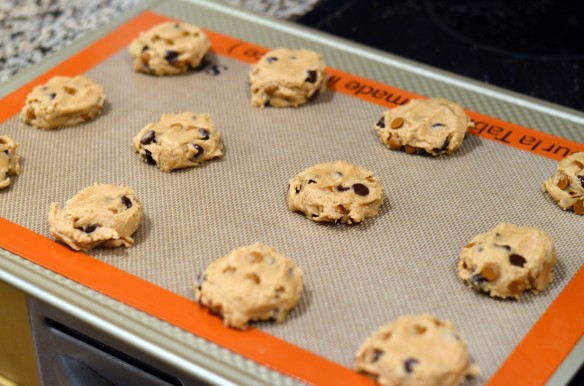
x,y
445,144
409,365
438,125
505,246
148,138
376,355
6,152
148,157
311,78
145,48
199,152
297,190
517,260
90,229
199,280
341,188
171,56
410,149
381,122
204,134
361,189
127,202
581,178
397,123
52,95
271,59
516,287
311,181
477,280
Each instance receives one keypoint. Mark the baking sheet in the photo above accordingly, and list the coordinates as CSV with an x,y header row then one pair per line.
x,y
357,277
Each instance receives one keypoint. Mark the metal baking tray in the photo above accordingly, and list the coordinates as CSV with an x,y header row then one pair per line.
x,y
357,277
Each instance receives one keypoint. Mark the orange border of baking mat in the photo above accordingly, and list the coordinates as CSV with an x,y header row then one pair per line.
x,y
557,331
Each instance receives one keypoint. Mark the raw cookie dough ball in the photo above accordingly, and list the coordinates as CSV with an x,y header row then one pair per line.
x,y
63,101
9,161
416,350
286,78
169,48
566,187
508,260
105,215
335,191
252,283
178,141
424,126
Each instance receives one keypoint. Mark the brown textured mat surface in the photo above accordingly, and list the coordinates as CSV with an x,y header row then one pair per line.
x,y
357,277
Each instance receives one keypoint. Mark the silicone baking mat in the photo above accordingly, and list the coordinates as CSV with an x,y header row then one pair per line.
x,y
357,277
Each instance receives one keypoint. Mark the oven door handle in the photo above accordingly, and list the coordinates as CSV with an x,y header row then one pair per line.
x,y
71,372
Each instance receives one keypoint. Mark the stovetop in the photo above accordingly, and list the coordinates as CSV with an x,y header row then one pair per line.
x,y
533,47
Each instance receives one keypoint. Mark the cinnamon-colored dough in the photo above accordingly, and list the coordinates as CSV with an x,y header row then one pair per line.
x,y
252,283
424,126
335,191
9,161
98,215
416,350
169,48
63,101
287,78
179,141
566,186
508,260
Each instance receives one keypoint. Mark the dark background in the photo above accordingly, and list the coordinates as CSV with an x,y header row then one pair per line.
x,y
535,47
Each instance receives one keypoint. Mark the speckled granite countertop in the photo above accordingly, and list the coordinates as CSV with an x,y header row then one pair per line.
x,y
31,30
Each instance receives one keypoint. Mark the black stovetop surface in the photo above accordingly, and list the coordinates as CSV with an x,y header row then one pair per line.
x,y
533,47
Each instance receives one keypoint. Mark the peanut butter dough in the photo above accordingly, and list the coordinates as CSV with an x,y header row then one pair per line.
x,y
508,260
416,350
335,191
105,215
252,283
9,161
566,186
63,101
179,141
424,126
286,78
169,48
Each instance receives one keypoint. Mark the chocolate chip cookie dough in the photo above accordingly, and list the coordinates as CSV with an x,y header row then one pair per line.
x,y
335,191
98,215
566,186
9,161
416,350
63,101
508,260
424,126
252,283
286,78
179,141
169,48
